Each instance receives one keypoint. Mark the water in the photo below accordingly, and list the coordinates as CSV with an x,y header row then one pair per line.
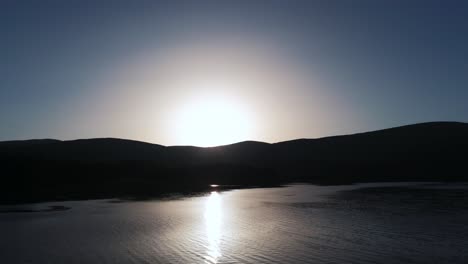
x,y
413,223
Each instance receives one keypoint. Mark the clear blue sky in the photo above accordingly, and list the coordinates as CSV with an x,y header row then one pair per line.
x,y
81,69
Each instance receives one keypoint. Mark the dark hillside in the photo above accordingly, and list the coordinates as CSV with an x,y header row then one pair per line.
x,y
36,170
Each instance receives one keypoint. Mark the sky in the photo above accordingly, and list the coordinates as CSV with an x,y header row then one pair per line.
x,y
218,72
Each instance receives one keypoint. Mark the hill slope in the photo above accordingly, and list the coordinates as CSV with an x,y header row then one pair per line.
x,y
35,170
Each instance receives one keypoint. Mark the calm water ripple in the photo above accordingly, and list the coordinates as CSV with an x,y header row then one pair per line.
x,y
367,223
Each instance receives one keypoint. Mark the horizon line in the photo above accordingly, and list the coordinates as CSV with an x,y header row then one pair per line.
x,y
244,141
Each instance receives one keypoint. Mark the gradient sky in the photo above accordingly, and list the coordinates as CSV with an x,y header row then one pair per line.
x,y
296,69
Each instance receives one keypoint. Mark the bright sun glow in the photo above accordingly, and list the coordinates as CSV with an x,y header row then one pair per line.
x,y
211,121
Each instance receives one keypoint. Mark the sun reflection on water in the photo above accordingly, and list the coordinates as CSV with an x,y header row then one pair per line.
x,y
213,221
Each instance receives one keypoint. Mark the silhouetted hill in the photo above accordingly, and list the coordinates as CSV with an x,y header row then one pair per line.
x,y
34,170
82,149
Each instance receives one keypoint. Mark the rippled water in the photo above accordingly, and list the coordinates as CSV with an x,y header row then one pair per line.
x,y
367,223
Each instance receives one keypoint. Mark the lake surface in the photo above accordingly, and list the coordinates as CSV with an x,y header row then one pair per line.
x,y
365,223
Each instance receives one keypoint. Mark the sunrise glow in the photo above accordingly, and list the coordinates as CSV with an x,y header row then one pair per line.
x,y
212,120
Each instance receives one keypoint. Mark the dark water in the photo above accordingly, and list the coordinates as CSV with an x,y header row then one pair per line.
x,y
369,223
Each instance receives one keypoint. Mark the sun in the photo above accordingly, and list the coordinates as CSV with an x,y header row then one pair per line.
x,y
208,121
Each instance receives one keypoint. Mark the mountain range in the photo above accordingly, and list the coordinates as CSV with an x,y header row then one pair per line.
x,y
48,169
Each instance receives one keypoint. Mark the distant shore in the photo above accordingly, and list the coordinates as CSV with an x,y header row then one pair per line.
x,y
54,170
